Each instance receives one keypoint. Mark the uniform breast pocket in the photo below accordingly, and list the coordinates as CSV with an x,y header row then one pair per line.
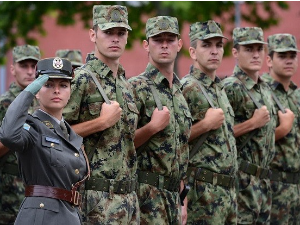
x,y
249,111
94,109
56,151
132,116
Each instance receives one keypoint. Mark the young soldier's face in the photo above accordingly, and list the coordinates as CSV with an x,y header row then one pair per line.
x,y
250,57
163,48
110,43
283,64
208,54
24,72
54,95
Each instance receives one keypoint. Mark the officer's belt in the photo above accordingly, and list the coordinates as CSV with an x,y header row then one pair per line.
x,y
52,192
159,181
208,176
11,169
285,177
255,170
111,185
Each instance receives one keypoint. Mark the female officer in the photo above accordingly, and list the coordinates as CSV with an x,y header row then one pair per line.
x,y
52,164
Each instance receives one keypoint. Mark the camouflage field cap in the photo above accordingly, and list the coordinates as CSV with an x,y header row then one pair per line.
x,y
248,35
205,30
109,16
282,43
74,56
55,68
161,24
23,52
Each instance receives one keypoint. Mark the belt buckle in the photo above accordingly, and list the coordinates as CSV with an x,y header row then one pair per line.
x,y
75,197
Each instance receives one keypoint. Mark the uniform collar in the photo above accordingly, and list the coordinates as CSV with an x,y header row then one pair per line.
x,y
244,78
158,78
101,68
15,89
205,79
275,84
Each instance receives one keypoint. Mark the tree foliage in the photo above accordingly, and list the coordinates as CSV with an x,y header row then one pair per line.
x,y
19,19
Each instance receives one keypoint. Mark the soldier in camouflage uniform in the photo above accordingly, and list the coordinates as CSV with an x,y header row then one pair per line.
x,y
163,132
108,128
212,169
74,56
25,58
254,128
282,61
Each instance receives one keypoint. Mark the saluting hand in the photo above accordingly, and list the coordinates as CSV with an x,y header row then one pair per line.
x,y
37,84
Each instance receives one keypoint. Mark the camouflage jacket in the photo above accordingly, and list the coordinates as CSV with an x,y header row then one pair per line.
x,y
260,149
114,156
287,156
166,152
218,153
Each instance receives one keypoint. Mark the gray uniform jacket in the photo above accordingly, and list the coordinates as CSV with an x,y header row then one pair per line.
x,y
45,158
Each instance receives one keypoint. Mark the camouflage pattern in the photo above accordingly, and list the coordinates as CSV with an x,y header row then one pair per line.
x,y
109,16
23,52
282,43
103,209
217,154
11,186
285,196
114,156
205,30
74,56
158,206
161,24
254,196
166,152
211,204
248,35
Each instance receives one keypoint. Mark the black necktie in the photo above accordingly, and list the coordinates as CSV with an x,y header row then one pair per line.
x,y
64,129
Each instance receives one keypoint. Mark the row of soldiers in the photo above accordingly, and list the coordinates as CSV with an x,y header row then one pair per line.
x,y
231,146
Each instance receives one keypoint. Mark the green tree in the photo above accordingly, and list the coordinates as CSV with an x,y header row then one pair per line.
x,y
19,19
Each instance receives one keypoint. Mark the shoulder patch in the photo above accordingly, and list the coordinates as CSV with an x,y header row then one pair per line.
x,y
26,126
48,124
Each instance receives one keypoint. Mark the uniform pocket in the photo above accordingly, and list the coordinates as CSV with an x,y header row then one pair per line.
x,y
55,148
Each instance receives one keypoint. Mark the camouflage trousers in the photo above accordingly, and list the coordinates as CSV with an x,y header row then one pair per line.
x,y
159,206
211,204
285,203
99,208
254,199
11,196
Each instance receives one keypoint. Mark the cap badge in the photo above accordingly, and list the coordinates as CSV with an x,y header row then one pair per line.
x,y
253,34
212,28
115,16
57,63
163,24
286,41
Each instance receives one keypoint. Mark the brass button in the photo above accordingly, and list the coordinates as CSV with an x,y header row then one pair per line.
x,y
52,145
77,171
76,155
42,205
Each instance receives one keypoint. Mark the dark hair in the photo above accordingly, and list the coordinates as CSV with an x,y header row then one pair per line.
x,y
271,54
194,43
237,47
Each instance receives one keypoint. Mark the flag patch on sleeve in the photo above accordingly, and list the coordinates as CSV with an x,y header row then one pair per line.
x,y
26,126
